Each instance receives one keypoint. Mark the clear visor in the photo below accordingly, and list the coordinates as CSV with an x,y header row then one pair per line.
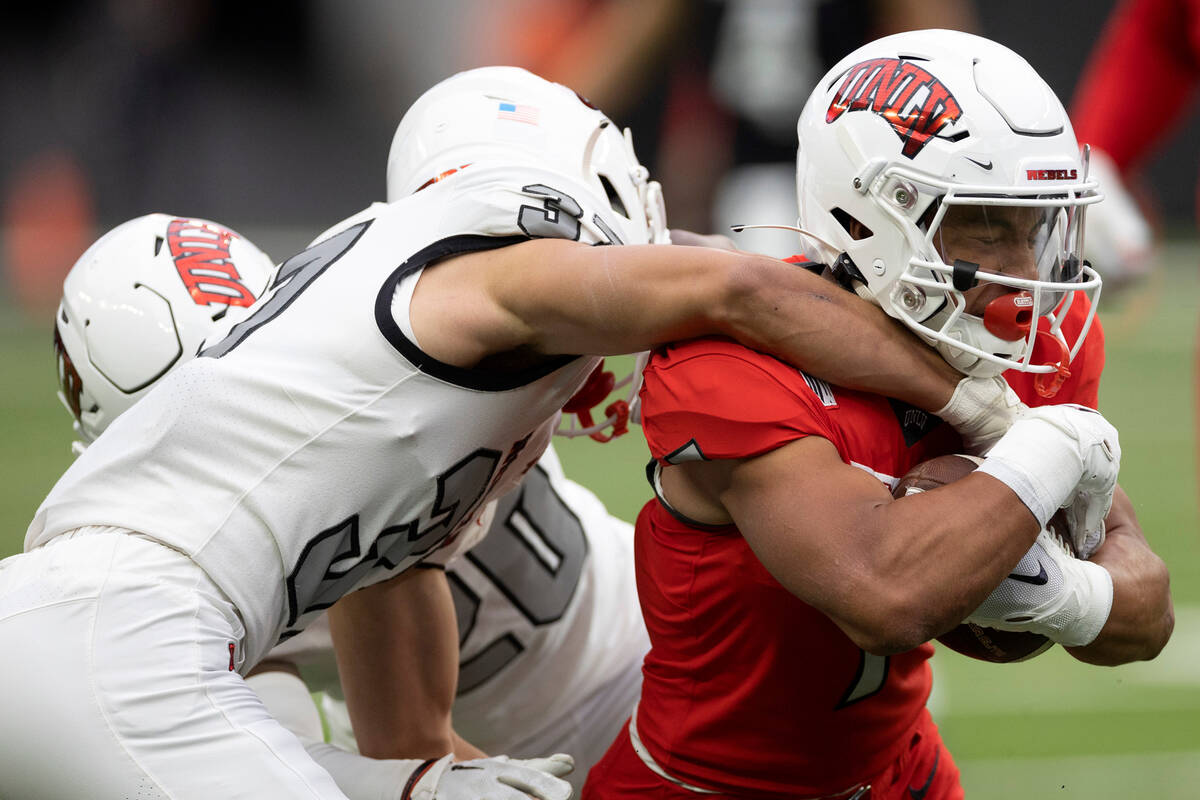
x,y
1010,247
988,267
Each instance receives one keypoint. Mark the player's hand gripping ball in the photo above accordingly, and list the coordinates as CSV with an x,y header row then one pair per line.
x,y
977,641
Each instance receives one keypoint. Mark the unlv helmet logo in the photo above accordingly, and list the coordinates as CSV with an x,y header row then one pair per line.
x,y
201,255
915,103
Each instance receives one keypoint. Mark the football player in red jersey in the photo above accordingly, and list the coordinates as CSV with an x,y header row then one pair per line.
x,y
788,597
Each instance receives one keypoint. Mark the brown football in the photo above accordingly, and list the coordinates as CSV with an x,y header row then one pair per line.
x,y
985,644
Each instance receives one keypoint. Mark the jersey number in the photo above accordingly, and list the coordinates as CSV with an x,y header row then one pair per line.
x,y
292,278
333,563
871,675
534,555
558,216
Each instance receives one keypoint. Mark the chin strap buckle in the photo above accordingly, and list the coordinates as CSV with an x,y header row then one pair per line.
x,y
597,387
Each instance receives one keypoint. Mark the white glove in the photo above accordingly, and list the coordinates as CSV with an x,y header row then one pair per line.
x,y
1052,593
981,410
495,778
1119,241
1064,456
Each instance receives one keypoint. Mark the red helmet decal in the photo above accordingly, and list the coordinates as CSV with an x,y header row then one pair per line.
x,y
201,254
915,103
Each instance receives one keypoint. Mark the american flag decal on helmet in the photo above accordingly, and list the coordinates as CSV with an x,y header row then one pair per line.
x,y
518,113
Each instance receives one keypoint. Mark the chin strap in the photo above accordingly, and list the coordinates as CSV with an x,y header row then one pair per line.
x,y
1047,384
593,392
1009,317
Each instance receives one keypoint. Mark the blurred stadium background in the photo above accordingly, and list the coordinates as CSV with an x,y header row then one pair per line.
x,y
275,117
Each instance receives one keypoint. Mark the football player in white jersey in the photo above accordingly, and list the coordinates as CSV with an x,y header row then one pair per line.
x,y
394,380
550,632
551,636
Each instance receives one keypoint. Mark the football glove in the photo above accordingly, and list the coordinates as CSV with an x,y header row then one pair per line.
x,y
981,410
495,778
1052,593
1064,456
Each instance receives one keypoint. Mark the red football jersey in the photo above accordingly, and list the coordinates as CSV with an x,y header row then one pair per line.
x,y
747,689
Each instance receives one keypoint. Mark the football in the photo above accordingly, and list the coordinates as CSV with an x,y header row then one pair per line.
x,y
975,641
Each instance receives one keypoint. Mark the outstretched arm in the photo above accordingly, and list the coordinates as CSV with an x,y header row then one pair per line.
x,y
547,297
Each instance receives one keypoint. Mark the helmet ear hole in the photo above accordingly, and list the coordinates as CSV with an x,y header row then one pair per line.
x,y
614,199
856,229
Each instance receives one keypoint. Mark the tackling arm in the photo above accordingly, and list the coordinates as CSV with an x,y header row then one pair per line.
x,y
1142,615
548,297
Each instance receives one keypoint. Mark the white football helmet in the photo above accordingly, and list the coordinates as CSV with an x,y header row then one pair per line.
x,y
507,116
919,125
139,302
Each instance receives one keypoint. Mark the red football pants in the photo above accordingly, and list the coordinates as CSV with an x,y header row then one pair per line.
x,y
925,771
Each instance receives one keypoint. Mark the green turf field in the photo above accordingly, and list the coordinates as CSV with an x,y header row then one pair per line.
x,y
1049,728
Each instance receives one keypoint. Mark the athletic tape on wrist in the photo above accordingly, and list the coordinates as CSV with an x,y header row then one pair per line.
x,y
1039,463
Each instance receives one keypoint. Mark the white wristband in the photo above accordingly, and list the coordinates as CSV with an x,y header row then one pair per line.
x,y
1031,461
1088,604
1052,593
384,778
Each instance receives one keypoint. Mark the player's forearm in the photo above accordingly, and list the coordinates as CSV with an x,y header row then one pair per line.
x,y
832,334
397,653
937,556
1142,616
608,300
890,573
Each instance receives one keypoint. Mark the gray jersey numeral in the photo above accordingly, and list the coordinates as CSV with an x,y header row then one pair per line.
x,y
557,217
534,555
872,674
333,562
292,278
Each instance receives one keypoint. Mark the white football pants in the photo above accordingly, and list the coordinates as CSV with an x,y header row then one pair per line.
x,y
117,682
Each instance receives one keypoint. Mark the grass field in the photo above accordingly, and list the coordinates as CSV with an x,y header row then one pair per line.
x,y
1051,727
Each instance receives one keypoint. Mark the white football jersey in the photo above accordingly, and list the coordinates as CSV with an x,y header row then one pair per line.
x,y
548,622
547,612
316,449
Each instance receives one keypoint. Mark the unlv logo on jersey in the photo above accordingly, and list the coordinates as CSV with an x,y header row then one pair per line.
x,y
201,254
915,103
